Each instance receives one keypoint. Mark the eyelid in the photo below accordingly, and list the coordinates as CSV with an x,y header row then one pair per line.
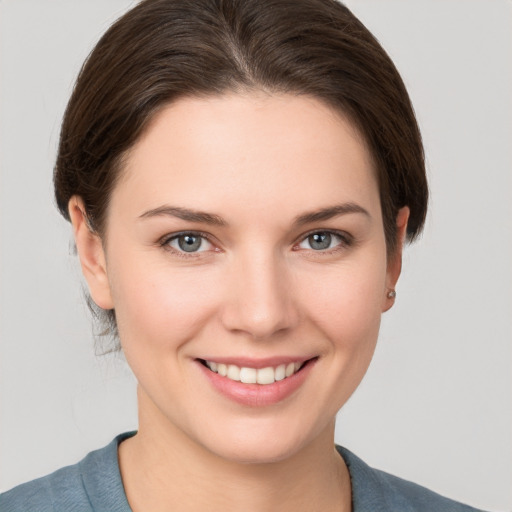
x,y
164,242
347,239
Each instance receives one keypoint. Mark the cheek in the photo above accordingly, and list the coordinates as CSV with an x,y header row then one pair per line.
x,y
346,308
347,313
157,306
350,296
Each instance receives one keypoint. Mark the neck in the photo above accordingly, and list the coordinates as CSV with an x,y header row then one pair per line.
x,y
161,467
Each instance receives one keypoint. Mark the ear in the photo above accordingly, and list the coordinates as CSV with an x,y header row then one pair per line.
x,y
395,260
91,255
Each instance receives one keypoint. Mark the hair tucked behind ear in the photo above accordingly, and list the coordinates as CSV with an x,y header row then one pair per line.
x,y
165,49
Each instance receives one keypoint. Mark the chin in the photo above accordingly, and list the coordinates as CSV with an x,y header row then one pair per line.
x,y
257,453
264,443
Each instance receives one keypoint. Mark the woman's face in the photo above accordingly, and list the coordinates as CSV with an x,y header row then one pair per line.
x,y
245,236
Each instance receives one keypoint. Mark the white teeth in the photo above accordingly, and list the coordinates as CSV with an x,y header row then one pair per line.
x,y
247,375
290,369
280,373
265,376
213,366
233,372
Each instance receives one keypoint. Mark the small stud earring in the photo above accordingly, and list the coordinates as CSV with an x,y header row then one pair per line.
x,y
391,294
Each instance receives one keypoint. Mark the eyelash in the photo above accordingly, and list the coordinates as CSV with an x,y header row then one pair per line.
x,y
166,240
346,241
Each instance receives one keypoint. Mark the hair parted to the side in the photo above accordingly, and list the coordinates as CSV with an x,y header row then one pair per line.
x,y
162,50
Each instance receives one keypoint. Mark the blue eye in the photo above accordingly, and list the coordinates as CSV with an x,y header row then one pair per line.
x,y
322,241
189,242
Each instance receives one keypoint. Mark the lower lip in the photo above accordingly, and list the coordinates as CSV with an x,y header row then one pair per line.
x,y
257,395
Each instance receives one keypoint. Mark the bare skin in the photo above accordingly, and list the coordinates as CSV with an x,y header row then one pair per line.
x,y
245,231
176,472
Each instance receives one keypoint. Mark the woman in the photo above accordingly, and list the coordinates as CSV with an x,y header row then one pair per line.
x,y
240,177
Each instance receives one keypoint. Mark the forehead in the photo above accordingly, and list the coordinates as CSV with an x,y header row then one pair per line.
x,y
252,151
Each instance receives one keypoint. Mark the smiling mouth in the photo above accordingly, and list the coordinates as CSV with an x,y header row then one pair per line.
x,y
248,375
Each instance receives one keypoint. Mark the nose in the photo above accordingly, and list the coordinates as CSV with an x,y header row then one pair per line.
x,y
260,301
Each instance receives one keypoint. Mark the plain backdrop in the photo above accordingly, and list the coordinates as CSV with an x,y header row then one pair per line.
x,y
435,406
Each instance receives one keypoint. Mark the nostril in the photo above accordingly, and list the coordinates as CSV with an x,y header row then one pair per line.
x,y
261,304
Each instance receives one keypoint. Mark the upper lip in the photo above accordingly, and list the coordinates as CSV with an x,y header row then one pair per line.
x,y
265,362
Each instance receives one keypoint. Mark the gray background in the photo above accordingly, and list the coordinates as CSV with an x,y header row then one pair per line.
x,y
436,404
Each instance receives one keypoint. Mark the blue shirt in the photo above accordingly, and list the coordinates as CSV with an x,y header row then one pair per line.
x,y
94,485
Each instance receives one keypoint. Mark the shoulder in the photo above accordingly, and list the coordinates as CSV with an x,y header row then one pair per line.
x,y
93,484
377,491
62,490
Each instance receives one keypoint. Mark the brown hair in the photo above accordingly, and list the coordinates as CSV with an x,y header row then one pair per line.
x,y
165,49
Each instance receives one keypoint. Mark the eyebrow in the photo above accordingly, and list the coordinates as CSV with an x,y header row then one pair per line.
x,y
185,214
216,220
329,213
